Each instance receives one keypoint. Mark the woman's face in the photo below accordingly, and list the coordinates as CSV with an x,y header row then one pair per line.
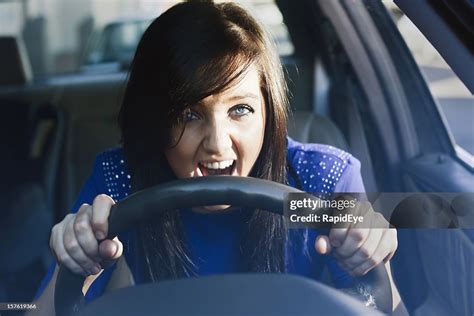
x,y
223,133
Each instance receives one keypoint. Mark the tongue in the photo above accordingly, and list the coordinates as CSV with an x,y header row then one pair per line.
x,y
216,172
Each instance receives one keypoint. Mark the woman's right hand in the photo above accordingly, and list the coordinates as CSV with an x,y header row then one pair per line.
x,y
78,241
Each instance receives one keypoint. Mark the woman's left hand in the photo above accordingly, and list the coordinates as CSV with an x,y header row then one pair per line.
x,y
357,249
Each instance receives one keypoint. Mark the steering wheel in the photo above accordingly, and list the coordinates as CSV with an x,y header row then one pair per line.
x,y
222,190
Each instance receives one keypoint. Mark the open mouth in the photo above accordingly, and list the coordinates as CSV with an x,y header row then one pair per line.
x,y
222,168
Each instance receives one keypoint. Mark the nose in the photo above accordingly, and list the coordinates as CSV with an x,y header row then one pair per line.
x,y
217,138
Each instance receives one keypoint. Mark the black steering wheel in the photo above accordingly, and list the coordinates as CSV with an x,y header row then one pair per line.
x,y
222,190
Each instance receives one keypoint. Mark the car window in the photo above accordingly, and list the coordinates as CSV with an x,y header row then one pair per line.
x,y
71,36
270,16
454,99
116,43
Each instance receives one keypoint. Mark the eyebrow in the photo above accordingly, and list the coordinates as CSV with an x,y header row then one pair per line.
x,y
234,98
244,96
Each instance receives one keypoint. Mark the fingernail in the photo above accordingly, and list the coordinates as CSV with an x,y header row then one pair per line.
x,y
99,235
116,249
95,270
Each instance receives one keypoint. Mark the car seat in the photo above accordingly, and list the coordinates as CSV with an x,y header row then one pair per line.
x,y
31,137
309,127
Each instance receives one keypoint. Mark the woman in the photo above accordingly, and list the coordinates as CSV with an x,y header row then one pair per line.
x,y
206,96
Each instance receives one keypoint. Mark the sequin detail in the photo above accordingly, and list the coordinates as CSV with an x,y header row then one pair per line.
x,y
116,176
319,167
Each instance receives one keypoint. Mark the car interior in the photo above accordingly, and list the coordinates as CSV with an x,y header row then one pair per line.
x,y
52,130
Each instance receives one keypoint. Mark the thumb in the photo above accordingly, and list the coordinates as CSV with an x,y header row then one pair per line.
x,y
322,245
110,251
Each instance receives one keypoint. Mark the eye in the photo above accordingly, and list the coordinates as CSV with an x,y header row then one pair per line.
x,y
241,110
191,116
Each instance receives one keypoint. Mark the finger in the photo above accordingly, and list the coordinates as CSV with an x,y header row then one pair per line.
x,y
110,251
355,238
389,233
339,232
337,236
380,221
85,235
322,245
70,264
364,209
57,247
375,259
100,214
74,250
57,235
392,234
356,235
366,251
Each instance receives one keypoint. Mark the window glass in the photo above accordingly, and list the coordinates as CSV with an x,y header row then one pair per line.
x,y
64,36
268,14
454,99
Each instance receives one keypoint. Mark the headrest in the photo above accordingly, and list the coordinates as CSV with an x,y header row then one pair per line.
x,y
309,127
14,63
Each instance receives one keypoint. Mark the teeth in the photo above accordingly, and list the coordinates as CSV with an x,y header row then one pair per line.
x,y
218,165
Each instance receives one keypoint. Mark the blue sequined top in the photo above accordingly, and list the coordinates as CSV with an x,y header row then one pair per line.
x,y
213,239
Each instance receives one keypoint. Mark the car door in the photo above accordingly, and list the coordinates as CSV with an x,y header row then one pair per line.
x,y
383,105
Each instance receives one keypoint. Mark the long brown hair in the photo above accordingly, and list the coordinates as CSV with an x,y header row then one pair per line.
x,y
191,51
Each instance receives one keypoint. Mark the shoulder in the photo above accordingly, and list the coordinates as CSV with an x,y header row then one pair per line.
x,y
111,158
317,150
321,168
111,169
